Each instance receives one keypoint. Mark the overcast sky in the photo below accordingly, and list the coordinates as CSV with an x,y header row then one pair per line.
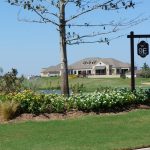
x,y
28,47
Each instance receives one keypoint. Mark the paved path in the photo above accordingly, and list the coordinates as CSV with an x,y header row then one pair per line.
x,y
144,149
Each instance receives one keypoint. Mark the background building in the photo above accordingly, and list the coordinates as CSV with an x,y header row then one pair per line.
x,y
93,66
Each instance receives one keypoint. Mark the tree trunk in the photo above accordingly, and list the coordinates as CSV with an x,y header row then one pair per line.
x,y
63,51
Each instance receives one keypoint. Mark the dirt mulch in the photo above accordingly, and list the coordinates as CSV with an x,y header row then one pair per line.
x,y
52,116
45,117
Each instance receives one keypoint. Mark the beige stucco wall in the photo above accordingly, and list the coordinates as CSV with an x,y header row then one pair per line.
x,y
101,64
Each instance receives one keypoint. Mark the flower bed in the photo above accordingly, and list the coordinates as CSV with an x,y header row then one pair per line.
x,y
109,100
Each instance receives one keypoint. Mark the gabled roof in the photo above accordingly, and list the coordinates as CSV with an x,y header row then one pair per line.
x,y
51,69
88,63
115,63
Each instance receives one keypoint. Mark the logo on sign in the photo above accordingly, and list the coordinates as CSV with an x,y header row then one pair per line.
x,y
143,49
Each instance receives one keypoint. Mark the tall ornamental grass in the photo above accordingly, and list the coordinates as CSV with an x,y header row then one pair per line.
x,y
8,109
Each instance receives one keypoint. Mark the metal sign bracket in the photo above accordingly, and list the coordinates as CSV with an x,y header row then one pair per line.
x,y
132,36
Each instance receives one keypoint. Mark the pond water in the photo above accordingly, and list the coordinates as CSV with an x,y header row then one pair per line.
x,y
50,91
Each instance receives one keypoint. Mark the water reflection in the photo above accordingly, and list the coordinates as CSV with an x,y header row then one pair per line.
x,y
50,91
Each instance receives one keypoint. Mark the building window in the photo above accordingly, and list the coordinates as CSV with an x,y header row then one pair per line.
x,y
100,72
118,71
88,72
79,72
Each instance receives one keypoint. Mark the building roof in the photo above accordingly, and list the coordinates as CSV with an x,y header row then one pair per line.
x,y
88,63
51,69
115,63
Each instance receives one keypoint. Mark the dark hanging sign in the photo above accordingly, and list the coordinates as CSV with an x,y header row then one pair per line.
x,y
143,49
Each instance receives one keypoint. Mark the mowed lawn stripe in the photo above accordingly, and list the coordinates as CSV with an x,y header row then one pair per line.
x,y
95,132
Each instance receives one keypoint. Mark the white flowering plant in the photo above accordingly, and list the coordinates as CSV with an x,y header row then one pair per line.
x,y
107,100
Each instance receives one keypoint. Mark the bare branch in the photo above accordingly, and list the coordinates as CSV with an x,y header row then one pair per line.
x,y
44,18
29,21
38,9
84,12
109,5
121,23
53,14
105,40
78,37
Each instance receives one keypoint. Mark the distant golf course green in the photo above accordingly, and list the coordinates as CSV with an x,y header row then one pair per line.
x,y
89,84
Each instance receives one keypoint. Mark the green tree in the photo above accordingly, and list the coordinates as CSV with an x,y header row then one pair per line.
x,y
57,12
10,82
145,72
145,66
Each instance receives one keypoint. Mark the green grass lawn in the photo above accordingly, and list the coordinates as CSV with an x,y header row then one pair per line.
x,y
90,84
106,132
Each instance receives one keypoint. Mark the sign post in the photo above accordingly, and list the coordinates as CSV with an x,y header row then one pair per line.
x,y
142,50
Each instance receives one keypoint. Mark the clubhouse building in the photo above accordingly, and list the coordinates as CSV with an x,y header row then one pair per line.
x,y
94,66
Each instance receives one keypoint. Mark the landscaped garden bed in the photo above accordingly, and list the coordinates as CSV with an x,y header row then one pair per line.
x,y
29,102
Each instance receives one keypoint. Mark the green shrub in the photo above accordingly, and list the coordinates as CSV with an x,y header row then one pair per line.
x,y
31,102
72,76
77,88
10,82
142,96
106,100
104,88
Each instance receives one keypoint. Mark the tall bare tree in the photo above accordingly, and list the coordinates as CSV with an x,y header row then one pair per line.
x,y
54,12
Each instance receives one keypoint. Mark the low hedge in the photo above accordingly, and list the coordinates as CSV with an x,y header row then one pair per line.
x,y
109,100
